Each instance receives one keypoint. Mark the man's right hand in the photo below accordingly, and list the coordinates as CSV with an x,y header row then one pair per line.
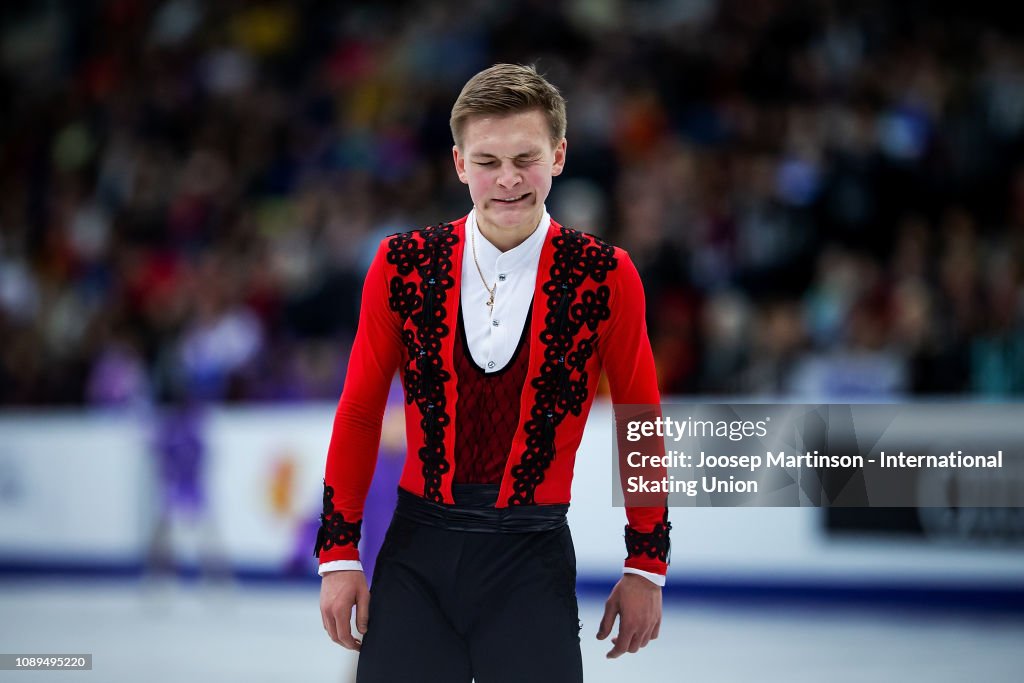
x,y
339,591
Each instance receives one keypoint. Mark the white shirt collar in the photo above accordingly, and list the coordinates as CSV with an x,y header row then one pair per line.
x,y
525,254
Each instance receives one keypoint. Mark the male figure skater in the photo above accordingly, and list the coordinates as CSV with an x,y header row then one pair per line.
x,y
500,324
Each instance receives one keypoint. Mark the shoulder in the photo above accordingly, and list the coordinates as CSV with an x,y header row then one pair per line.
x,y
446,232
428,232
576,237
600,259
408,249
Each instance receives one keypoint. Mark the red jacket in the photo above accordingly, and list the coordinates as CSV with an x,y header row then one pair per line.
x,y
588,315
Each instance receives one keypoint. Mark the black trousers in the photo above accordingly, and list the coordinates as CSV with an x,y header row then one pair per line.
x,y
451,606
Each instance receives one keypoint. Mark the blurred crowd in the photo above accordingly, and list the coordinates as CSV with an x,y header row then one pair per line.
x,y
825,199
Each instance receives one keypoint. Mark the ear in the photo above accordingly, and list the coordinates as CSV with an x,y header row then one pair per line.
x,y
460,164
556,168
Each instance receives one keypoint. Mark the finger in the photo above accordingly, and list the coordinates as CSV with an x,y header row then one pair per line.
x,y
621,642
344,629
363,613
619,649
329,625
634,644
643,640
648,635
657,630
607,621
338,619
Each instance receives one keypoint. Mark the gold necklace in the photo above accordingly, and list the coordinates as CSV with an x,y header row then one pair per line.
x,y
491,289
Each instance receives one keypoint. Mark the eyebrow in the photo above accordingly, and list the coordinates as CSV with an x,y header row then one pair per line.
x,y
523,155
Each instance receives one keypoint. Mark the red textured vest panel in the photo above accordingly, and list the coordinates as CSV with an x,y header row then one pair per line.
x,y
487,411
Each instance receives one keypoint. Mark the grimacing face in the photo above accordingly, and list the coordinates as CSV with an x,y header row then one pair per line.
x,y
508,162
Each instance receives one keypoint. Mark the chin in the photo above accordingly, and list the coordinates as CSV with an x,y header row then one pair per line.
x,y
510,222
502,225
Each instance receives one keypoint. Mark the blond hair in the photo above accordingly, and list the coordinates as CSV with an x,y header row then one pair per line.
x,y
509,89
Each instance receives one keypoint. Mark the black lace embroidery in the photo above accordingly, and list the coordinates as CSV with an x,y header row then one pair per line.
x,y
403,253
561,385
403,298
334,530
423,302
654,545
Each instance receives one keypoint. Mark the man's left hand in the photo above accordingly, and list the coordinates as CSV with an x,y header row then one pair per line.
x,y
637,603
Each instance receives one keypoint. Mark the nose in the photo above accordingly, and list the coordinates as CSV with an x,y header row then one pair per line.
x,y
509,176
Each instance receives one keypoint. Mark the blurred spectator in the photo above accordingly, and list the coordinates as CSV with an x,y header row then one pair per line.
x,y
822,197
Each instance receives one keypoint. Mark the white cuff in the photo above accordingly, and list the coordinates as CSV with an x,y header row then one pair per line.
x,y
656,579
339,565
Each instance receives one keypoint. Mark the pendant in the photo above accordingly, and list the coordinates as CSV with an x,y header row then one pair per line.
x,y
490,303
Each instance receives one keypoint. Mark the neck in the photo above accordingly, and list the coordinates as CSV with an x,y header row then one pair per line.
x,y
508,238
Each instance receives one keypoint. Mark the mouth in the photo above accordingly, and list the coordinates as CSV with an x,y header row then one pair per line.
x,y
512,200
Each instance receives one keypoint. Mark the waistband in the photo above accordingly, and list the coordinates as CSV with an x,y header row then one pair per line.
x,y
474,511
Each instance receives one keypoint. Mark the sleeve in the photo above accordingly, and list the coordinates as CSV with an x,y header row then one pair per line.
x,y
629,364
355,439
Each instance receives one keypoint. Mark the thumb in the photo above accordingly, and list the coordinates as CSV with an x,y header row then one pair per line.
x,y
608,620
